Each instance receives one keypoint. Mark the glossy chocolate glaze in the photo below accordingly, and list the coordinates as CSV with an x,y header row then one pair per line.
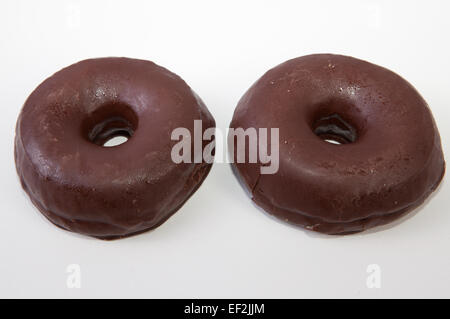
x,y
388,161
108,192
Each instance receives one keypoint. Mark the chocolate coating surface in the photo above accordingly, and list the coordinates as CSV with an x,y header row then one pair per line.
x,y
388,161
108,192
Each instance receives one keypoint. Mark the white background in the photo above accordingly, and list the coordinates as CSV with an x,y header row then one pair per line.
x,y
219,244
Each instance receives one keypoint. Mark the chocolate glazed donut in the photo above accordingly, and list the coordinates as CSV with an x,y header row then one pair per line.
x,y
388,158
108,192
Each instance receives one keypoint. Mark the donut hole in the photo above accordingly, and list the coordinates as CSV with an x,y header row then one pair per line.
x,y
110,125
109,130
335,130
336,121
